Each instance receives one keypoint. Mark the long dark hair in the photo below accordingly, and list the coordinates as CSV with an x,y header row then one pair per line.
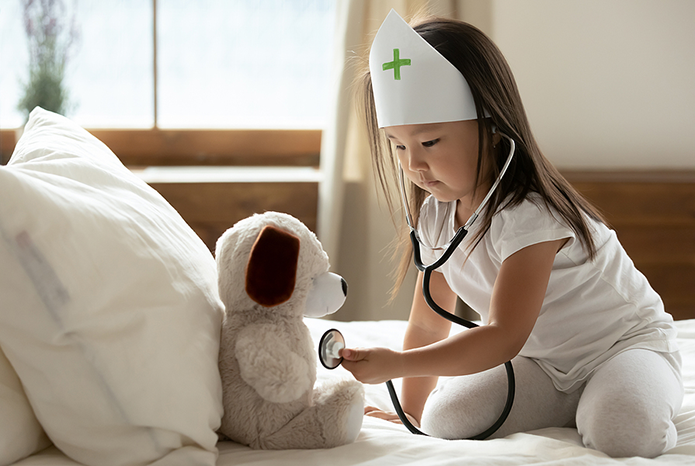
x,y
495,92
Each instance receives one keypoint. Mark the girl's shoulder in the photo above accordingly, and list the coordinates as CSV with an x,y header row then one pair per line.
x,y
533,212
439,218
527,211
528,222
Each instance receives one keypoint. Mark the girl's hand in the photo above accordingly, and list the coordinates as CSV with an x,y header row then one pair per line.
x,y
372,365
389,416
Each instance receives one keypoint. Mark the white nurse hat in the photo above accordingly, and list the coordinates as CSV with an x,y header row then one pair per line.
x,y
412,82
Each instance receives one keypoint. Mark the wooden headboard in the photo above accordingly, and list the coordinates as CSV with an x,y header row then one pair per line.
x,y
653,214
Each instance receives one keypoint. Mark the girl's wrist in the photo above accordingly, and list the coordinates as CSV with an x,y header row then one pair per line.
x,y
405,364
401,364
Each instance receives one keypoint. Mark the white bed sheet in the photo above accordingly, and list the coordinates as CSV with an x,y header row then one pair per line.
x,y
382,443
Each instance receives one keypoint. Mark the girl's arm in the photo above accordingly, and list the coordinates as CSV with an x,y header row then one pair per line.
x,y
424,328
516,301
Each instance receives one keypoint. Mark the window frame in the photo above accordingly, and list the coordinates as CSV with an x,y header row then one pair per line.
x,y
195,147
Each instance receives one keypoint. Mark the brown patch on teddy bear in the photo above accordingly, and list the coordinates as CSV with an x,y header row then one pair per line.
x,y
272,268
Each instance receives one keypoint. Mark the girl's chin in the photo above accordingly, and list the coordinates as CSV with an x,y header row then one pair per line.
x,y
441,197
439,192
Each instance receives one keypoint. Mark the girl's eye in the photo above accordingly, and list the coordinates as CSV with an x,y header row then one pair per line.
x,y
430,143
400,147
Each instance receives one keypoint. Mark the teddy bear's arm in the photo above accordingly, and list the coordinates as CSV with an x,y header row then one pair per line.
x,y
268,364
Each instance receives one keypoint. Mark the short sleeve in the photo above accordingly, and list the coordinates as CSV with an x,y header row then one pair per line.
x,y
524,225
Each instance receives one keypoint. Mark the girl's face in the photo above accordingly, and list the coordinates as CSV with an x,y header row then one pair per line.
x,y
441,158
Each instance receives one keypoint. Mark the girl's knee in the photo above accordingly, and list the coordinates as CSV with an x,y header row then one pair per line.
x,y
631,441
621,429
628,405
451,414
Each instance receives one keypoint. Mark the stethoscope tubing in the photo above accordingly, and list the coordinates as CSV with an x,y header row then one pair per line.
x,y
427,273
511,382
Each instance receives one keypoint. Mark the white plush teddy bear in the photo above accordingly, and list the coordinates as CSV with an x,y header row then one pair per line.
x,y
273,272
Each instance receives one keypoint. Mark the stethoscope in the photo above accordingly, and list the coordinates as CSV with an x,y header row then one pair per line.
x,y
332,340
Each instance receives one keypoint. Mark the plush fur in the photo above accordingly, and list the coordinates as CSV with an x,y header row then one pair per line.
x,y
267,357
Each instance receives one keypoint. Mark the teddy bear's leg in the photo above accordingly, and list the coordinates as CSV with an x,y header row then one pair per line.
x,y
334,419
348,397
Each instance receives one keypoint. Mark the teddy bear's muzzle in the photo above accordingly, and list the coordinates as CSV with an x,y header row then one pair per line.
x,y
327,295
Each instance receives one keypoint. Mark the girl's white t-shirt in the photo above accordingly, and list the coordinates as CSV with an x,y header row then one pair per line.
x,y
592,310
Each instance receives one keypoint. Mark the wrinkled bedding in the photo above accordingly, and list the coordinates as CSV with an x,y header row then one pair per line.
x,y
382,443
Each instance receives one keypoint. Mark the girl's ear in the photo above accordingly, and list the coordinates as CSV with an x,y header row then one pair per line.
x,y
272,268
496,136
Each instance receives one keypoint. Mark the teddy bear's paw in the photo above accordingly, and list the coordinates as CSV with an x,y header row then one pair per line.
x,y
341,406
335,421
354,420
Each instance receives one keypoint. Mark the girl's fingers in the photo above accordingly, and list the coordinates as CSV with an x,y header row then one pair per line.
x,y
393,417
388,416
370,409
352,354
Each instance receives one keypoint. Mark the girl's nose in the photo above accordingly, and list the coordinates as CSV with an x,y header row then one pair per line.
x,y
416,161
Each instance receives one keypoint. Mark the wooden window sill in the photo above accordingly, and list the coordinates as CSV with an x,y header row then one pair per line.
x,y
192,147
228,174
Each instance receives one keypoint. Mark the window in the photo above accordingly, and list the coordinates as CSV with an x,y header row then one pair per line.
x,y
244,64
250,64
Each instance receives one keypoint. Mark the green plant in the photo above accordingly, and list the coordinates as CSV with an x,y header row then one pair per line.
x,y
51,36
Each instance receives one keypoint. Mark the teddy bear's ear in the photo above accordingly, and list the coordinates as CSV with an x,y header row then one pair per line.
x,y
272,269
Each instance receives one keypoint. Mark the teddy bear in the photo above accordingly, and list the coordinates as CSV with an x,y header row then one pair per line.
x,y
273,271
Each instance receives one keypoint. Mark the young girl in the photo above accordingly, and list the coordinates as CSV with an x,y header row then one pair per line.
x,y
589,340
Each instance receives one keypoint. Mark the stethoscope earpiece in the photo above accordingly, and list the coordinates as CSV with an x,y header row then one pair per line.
x,y
330,345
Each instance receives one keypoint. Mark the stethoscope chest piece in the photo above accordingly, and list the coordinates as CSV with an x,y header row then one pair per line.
x,y
330,345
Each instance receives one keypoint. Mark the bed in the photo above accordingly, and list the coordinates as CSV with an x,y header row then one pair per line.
x,y
382,443
109,330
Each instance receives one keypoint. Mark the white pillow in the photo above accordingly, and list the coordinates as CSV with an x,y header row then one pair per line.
x,y
20,432
109,309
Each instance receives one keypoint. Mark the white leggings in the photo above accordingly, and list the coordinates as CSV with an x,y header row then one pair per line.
x,y
626,408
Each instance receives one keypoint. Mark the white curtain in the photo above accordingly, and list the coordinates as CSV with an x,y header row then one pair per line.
x,y
353,225
334,136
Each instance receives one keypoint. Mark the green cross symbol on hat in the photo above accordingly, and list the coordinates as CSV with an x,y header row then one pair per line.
x,y
429,90
396,64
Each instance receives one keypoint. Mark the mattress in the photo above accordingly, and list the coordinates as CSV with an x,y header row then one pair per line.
x,y
382,443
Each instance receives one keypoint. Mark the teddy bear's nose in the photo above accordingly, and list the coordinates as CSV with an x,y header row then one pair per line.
x,y
344,284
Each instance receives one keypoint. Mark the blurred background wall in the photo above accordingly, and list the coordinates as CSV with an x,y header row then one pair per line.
x,y
607,84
